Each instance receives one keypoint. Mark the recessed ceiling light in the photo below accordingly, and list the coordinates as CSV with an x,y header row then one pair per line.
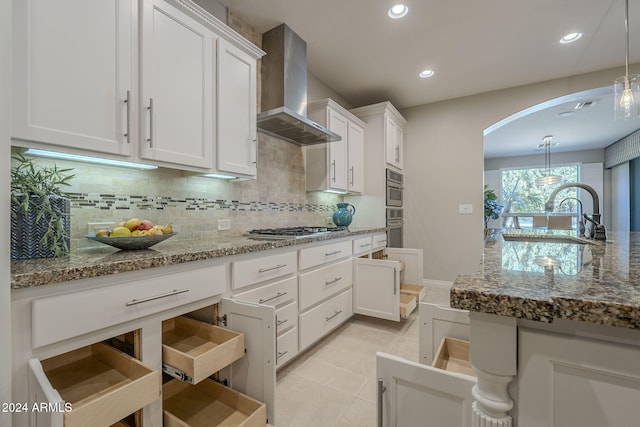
x,y
426,73
570,38
398,11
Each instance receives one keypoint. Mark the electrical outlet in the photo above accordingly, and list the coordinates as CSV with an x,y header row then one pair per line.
x,y
465,209
224,224
92,227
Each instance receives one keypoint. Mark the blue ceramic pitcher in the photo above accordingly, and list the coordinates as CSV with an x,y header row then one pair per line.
x,y
343,216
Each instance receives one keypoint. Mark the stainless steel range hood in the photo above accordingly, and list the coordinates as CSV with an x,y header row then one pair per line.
x,y
284,90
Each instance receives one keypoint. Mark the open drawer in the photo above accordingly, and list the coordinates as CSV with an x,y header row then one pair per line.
x,y
99,384
193,350
453,356
209,404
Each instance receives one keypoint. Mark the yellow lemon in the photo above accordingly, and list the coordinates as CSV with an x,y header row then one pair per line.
x,y
120,232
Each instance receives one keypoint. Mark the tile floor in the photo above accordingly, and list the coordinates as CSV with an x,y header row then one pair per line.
x,y
333,383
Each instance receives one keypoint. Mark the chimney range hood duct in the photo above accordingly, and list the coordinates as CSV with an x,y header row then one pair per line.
x,y
284,90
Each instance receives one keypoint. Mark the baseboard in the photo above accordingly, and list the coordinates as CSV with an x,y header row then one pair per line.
x,y
437,284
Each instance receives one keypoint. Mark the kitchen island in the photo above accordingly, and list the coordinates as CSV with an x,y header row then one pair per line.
x,y
555,329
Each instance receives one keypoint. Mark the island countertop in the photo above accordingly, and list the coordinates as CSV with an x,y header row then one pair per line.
x,y
103,260
542,280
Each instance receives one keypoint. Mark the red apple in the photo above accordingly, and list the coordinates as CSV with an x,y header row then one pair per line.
x,y
145,224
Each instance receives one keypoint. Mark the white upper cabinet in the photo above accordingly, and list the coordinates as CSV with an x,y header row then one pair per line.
x,y
73,71
335,166
394,147
177,55
237,149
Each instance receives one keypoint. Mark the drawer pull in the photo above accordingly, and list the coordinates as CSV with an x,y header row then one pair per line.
x,y
280,322
337,279
278,295
280,354
332,253
333,315
264,270
168,294
365,245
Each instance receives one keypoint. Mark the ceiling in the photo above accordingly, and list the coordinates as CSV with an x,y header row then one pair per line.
x,y
474,46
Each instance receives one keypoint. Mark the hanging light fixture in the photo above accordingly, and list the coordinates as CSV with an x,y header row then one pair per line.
x,y
547,179
627,87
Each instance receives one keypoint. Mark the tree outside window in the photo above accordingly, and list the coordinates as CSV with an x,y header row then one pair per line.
x,y
521,194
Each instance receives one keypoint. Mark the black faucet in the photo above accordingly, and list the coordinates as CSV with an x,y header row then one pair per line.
x,y
597,230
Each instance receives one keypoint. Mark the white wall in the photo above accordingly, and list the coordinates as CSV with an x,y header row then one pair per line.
x,y
444,168
5,153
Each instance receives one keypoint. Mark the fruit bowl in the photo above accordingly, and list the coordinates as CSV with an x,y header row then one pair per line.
x,y
131,243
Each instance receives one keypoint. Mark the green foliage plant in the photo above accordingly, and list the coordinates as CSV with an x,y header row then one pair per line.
x,y
32,187
492,208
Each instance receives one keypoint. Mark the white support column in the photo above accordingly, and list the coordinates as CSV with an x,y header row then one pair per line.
x,y
494,345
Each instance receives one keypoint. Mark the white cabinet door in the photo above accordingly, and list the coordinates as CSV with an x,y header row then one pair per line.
x,y
255,373
437,322
40,391
393,134
566,380
72,69
355,142
338,152
376,288
413,261
177,57
237,148
417,395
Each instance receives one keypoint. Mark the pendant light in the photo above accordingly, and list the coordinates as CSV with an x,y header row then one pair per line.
x,y
547,179
627,87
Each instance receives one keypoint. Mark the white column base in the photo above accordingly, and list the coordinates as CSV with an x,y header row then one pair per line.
x,y
482,420
492,401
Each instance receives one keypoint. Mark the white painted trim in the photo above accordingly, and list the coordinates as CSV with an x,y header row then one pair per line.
x,y
437,284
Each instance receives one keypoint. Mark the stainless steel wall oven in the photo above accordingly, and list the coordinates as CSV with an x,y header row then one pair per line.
x,y
394,227
394,188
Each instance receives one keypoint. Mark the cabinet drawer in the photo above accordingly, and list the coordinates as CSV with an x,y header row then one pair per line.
x,y
286,317
362,245
64,316
274,294
287,346
196,350
322,319
324,282
318,255
103,385
453,356
256,270
379,241
209,404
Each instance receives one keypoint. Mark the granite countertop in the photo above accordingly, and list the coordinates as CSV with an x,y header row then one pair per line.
x,y
103,260
541,280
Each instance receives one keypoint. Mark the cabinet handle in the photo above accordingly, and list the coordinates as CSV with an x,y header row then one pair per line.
x,y
280,322
381,390
128,102
255,143
395,284
150,108
397,153
332,253
278,295
352,174
333,166
264,270
168,294
333,315
365,245
280,354
337,279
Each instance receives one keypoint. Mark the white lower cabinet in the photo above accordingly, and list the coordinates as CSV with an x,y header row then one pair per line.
x,y
286,346
437,322
324,318
387,284
324,282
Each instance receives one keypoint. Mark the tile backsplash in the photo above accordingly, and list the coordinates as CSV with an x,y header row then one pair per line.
x,y
194,204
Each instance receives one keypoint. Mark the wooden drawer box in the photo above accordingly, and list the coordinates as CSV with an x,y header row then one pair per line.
x,y
324,282
286,346
60,317
256,270
453,356
318,255
102,384
286,317
362,245
209,404
407,305
321,320
274,294
417,291
199,349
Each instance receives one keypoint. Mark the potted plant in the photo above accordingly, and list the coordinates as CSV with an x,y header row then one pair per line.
x,y
40,223
492,208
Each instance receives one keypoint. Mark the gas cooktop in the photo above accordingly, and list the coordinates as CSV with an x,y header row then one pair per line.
x,y
291,232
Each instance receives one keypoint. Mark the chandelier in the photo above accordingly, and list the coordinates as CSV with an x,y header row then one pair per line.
x,y
547,179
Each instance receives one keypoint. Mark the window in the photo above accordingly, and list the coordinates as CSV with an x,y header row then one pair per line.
x,y
522,198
